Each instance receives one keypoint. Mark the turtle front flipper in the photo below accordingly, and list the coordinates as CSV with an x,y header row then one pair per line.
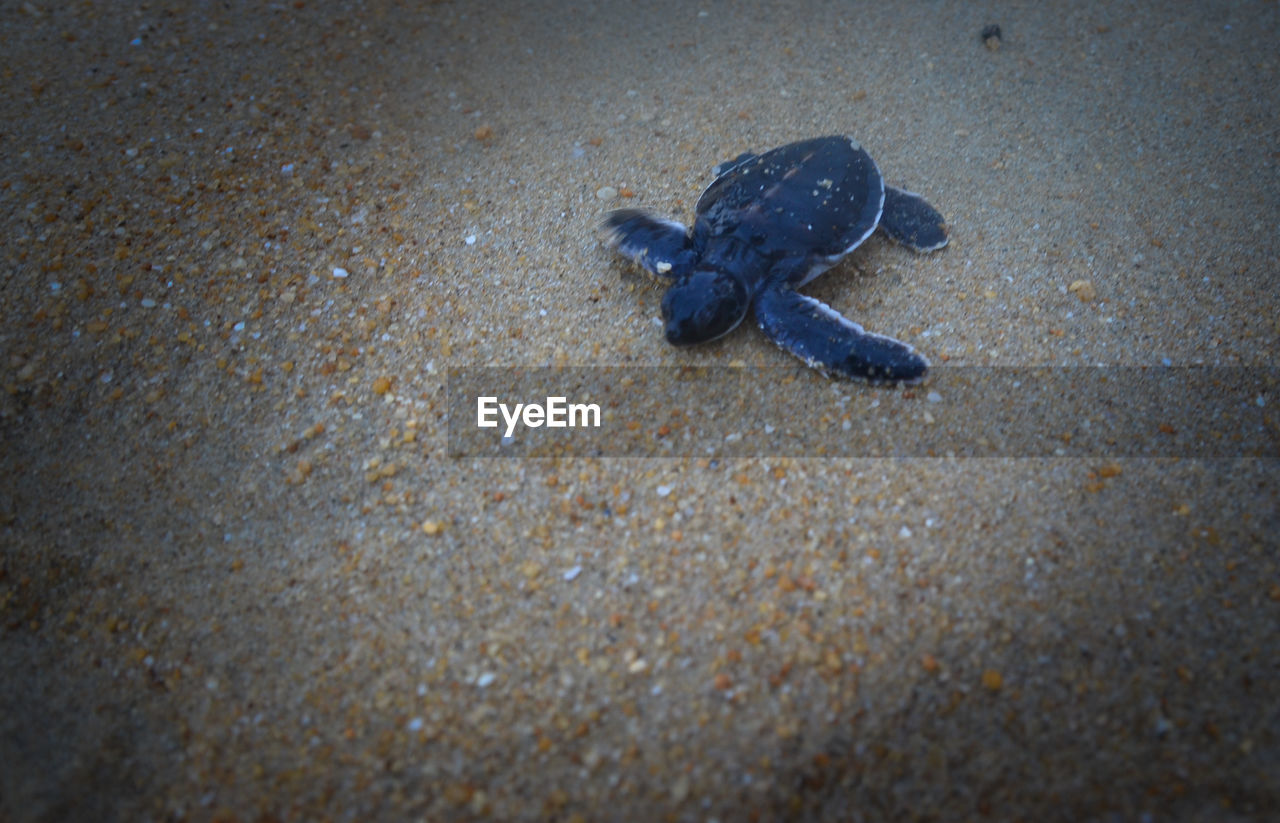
x,y
818,335
911,221
661,247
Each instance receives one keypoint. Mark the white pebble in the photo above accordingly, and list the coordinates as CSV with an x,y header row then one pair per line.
x,y
415,725
606,193
339,273
470,239
933,397
148,303
572,573
485,680
904,532
663,491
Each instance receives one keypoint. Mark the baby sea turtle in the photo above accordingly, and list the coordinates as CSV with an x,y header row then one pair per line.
x,y
767,225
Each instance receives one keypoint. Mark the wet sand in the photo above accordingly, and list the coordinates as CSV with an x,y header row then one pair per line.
x,y
242,578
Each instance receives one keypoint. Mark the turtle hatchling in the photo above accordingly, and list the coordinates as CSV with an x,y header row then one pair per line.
x,y
767,225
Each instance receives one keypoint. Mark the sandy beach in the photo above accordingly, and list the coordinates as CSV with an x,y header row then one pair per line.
x,y
244,577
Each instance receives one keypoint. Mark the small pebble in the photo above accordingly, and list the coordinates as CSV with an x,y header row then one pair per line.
x,y
606,193
991,37
485,680
340,273
1084,290
470,240
572,573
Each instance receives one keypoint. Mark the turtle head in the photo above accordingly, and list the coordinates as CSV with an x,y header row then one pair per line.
x,y
703,305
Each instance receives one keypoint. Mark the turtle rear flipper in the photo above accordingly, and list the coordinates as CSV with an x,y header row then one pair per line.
x,y
661,247
911,221
822,338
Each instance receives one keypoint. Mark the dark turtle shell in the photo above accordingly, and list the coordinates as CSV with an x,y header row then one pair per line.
x,y
818,198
